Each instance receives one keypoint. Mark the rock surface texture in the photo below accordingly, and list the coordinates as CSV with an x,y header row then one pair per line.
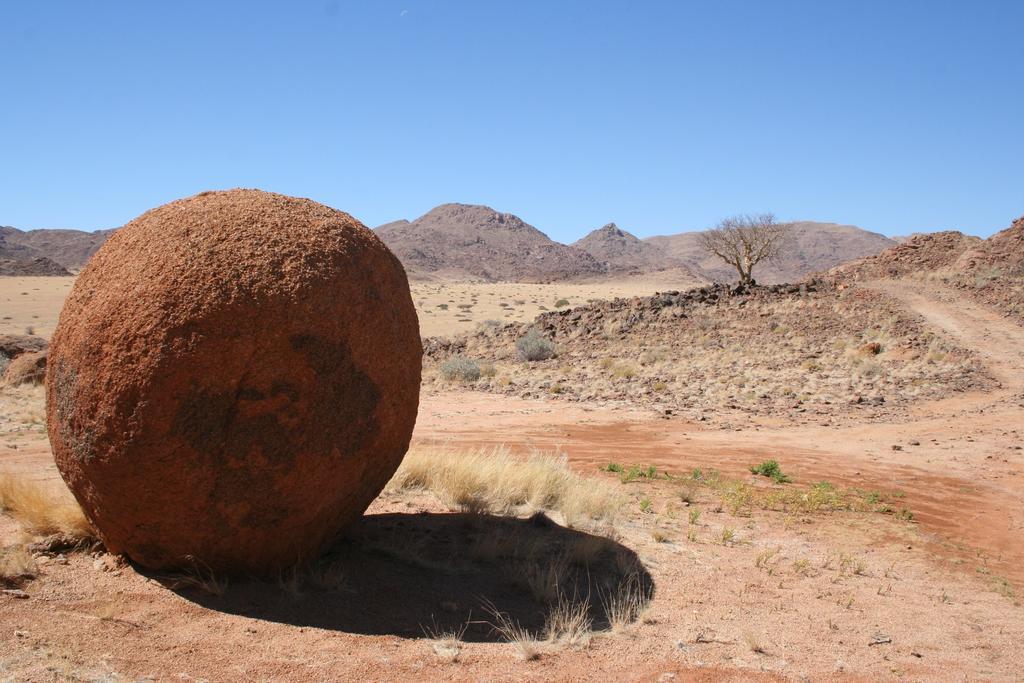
x,y
234,378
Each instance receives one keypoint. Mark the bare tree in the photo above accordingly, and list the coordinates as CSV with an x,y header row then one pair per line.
x,y
745,241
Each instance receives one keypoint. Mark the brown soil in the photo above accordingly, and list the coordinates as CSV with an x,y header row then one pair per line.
x,y
793,595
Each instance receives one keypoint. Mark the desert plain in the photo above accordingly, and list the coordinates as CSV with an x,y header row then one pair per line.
x,y
885,546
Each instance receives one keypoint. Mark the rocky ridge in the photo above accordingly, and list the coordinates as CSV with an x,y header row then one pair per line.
x,y
990,271
811,350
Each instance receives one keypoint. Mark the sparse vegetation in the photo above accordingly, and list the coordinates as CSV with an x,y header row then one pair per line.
x,y
527,646
495,481
624,371
460,369
635,472
532,347
778,354
568,623
197,575
625,603
745,241
754,643
446,643
43,509
770,469
16,566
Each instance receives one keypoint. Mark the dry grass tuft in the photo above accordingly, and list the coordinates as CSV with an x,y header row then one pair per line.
x,y
568,623
495,481
625,603
16,566
199,576
527,646
43,509
545,579
754,643
446,643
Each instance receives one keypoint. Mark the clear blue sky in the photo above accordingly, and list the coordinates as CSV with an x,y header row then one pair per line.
x,y
661,116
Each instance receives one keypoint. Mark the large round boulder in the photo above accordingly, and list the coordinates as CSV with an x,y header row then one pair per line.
x,y
233,379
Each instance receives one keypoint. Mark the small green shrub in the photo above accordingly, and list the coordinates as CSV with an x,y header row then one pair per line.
x,y
532,346
460,369
637,472
561,302
612,467
771,469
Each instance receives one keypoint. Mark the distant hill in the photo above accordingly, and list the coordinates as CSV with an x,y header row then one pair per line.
x,y
462,240
621,252
39,265
816,247
472,242
69,248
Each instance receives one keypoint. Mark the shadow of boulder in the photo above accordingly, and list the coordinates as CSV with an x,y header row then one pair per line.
x,y
419,575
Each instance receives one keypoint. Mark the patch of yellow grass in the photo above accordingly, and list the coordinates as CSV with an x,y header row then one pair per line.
x,y
568,624
22,407
496,481
16,565
625,603
526,644
43,508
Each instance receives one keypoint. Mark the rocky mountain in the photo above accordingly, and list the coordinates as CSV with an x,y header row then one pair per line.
x,y
816,247
621,252
462,240
68,248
